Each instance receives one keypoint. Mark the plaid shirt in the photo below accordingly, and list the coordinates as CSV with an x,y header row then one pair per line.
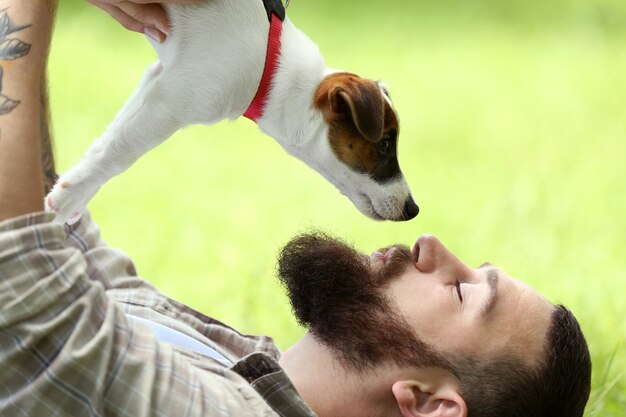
x,y
67,348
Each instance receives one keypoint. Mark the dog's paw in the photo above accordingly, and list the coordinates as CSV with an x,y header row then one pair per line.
x,y
68,200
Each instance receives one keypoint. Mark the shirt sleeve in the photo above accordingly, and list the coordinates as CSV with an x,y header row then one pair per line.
x,y
67,350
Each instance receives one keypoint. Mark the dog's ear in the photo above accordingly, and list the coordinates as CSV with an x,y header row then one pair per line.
x,y
362,101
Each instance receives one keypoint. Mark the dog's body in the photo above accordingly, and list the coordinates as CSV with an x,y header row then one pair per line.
x,y
209,69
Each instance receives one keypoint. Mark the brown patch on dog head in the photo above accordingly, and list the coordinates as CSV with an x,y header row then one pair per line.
x,y
360,120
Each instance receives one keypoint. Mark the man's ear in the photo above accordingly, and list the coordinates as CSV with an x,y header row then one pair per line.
x,y
416,399
364,103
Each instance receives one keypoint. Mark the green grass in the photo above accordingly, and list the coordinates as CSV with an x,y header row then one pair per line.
x,y
513,119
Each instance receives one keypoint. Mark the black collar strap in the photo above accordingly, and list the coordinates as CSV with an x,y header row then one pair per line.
x,y
275,7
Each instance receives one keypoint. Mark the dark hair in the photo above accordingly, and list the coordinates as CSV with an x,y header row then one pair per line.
x,y
506,387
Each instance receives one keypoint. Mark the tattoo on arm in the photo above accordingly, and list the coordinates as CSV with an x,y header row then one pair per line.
x,y
47,150
10,49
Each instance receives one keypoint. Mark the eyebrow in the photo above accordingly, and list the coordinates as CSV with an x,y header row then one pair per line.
x,y
492,280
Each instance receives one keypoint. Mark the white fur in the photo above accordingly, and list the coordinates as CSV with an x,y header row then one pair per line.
x,y
209,69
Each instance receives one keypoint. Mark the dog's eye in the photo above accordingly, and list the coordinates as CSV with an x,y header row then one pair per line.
x,y
384,145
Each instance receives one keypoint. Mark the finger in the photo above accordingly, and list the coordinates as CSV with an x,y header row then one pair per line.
x,y
149,14
129,22
116,13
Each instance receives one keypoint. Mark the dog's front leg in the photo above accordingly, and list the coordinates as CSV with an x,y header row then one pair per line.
x,y
148,118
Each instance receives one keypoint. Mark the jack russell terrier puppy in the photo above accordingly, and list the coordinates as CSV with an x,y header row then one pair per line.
x,y
227,58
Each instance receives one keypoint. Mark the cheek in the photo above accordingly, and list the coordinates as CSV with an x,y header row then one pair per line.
x,y
427,308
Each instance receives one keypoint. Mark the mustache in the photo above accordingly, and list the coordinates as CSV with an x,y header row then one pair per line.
x,y
399,258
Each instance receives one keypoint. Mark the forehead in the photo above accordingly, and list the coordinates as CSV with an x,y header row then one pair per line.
x,y
519,321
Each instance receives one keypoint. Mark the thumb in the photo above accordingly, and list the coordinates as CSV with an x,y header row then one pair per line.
x,y
151,14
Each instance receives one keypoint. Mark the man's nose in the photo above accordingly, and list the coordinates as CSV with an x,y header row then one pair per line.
x,y
433,256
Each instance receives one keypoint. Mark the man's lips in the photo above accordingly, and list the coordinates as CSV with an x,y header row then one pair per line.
x,y
383,254
421,255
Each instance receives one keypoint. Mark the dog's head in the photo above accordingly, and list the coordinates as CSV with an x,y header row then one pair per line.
x,y
360,155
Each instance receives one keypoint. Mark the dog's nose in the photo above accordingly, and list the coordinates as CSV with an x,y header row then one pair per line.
x,y
410,209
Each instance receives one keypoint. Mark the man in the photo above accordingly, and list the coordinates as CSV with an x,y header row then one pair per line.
x,y
403,332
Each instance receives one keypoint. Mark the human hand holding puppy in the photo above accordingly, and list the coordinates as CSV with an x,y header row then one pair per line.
x,y
143,16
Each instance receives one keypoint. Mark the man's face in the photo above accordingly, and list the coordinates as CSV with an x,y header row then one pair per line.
x,y
461,310
410,306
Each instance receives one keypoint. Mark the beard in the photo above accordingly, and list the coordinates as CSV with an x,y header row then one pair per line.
x,y
335,295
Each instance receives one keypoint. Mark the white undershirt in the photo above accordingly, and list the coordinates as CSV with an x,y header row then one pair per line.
x,y
173,337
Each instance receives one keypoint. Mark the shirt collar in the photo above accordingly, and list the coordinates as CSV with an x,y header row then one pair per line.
x,y
271,382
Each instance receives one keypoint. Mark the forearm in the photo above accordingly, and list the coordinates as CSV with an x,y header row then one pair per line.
x,y
45,134
24,41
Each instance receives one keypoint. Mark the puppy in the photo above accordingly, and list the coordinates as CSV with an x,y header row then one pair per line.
x,y
228,58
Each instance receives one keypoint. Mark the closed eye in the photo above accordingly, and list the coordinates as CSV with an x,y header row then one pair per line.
x,y
458,290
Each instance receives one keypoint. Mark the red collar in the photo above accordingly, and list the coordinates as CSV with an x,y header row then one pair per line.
x,y
257,107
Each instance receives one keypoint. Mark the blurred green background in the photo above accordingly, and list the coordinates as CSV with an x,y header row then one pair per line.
x,y
513,139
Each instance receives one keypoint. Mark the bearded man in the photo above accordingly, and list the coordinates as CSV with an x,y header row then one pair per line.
x,y
402,332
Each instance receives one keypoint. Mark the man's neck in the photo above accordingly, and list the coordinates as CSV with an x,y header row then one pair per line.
x,y
330,389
